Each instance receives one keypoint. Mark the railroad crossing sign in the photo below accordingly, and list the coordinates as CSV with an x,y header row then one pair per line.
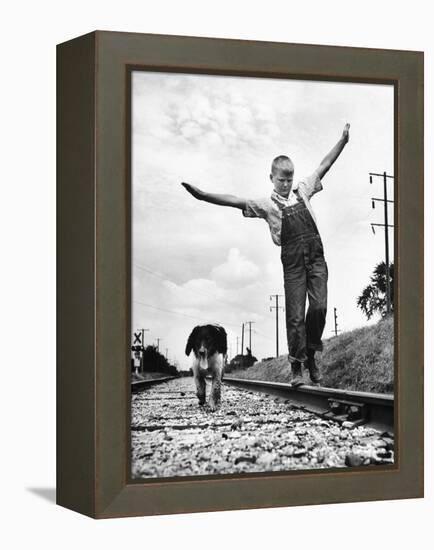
x,y
138,338
138,348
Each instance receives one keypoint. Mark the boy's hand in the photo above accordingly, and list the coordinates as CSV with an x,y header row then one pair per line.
x,y
197,193
330,158
346,133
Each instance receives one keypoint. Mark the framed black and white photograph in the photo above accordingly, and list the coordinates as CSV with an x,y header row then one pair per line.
x,y
246,280
219,300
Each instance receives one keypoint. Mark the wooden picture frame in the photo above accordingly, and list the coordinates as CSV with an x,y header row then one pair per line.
x,y
93,386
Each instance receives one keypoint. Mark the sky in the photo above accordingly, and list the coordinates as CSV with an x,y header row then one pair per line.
x,y
193,262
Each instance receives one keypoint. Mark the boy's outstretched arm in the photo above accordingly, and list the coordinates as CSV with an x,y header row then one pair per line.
x,y
330,158
216,198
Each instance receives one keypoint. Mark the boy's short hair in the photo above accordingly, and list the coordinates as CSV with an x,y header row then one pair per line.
x,y
278,162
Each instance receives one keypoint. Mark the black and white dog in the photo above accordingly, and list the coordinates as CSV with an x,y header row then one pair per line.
x,y
209,344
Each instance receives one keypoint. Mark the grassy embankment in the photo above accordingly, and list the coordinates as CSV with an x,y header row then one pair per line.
x,y
361,360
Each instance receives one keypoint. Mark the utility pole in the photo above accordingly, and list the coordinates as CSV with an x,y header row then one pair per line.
x,y
336,322
242,339
238,342
167,351
250,334
386,226
276,307
158,344
143,334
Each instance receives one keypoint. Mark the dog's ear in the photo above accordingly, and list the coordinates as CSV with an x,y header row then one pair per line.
x,y
221,340
190,341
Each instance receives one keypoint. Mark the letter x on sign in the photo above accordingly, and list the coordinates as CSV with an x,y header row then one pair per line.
x,y
137,338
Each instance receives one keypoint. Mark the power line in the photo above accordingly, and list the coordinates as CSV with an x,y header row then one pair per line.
x,y
255,331
165,278
182,314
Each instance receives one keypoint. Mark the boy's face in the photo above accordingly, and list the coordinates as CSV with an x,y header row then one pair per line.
x,y
282,179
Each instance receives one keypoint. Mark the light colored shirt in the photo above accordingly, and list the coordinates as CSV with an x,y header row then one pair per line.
x,y
270,208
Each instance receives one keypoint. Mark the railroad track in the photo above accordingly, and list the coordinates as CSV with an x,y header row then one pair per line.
x,y
352,407
140,385
259,428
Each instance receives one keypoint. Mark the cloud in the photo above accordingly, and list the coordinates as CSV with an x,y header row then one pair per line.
x,y
206,111
236,270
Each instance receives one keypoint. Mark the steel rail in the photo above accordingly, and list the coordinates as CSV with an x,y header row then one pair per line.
x,y
138,385
380,407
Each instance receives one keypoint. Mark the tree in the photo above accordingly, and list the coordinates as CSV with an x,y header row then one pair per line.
x,y
154,361
373,298
241,361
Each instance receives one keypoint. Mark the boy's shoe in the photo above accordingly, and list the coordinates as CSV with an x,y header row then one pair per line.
x,y
297,377
314,372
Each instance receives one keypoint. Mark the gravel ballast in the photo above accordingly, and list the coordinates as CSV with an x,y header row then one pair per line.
x,y
252,432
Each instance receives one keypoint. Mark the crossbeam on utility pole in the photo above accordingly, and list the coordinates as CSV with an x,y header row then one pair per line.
x,y
386,226
276,307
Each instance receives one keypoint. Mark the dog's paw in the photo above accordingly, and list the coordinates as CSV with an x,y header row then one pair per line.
x,y
213,406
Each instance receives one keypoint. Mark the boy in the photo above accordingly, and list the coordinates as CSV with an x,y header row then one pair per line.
x,y
293,227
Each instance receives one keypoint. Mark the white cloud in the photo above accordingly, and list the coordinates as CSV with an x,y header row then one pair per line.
x,y
236,270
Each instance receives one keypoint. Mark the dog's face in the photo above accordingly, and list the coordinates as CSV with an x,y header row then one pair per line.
x,y
206,340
